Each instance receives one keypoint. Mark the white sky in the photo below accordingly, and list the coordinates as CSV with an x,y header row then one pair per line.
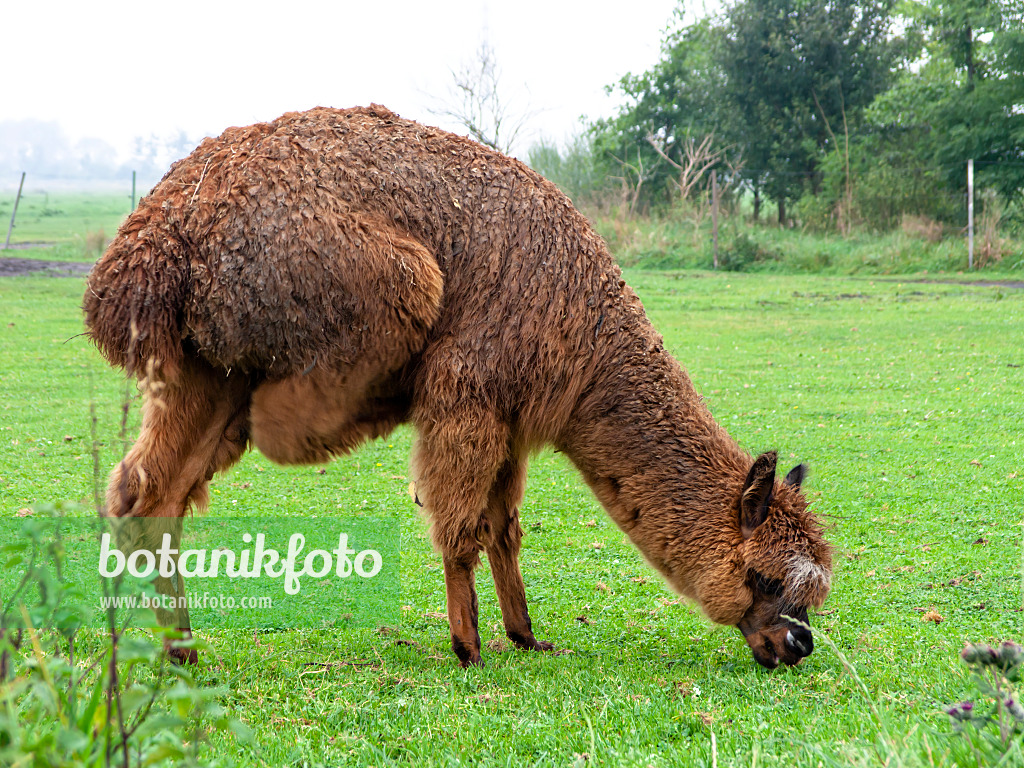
x,y
115,70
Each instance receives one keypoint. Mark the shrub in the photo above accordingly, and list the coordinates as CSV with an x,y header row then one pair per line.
x,y
744,254
990,244
576,172
919,225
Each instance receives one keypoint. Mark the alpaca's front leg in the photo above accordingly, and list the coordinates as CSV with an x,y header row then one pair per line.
x,y
502,547
463,613
456,463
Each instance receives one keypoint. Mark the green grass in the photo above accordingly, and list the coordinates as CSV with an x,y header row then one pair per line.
x,y
75,225
905,398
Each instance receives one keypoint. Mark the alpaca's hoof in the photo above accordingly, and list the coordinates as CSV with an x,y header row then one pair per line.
x,y
468,653
177,653
182,656
530,643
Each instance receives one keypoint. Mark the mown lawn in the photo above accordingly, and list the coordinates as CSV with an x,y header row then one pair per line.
x,y
904,398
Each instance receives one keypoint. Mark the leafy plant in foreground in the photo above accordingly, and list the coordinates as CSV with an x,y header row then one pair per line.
x,y
107,698
992,725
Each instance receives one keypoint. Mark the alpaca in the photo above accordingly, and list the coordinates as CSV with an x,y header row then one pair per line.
x,y
307,284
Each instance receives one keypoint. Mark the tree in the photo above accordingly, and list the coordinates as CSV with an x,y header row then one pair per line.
x,y
966,100
956,27
667,108
475,102
794,69
775,81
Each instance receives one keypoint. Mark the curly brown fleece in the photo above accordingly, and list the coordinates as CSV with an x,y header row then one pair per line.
x,y
309,283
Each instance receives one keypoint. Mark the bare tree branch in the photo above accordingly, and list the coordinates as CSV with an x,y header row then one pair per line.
x,y
475,102
632,180
699,158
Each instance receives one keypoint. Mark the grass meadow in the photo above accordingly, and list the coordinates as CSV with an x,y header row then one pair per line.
x,y
905,397
75,225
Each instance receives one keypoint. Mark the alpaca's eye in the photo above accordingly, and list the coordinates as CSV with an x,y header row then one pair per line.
x,y
770,587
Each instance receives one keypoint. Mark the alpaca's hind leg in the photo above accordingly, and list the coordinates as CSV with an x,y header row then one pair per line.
x,y
456,463
503,542
192,427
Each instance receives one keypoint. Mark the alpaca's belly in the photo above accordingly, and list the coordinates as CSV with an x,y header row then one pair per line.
x,y
310,419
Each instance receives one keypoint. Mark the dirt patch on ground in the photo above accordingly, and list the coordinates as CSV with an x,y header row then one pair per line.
x,y
28,246
1018,284
12,267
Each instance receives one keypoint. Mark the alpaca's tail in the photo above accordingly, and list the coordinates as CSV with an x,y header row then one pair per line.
x,y
136,294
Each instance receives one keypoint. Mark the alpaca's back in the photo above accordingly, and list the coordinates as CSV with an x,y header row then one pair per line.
x,y
306,241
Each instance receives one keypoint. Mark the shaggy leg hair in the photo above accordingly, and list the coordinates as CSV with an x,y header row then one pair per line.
x,y
457,458
192,427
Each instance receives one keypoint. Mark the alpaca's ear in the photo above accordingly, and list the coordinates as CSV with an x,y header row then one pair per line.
x,y
757,493
796,476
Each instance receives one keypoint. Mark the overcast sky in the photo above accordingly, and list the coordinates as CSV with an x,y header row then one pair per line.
x,y
115,70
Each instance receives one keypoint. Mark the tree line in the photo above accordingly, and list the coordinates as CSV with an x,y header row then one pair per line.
x,y
837,112
42,149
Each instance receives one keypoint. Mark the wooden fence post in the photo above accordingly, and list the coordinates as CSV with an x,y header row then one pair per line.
x,y
970,214
14,212
714,219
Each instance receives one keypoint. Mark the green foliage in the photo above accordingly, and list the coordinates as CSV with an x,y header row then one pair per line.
x,y
771,81
95,699
886,184
826,104
797,74
678,99
744,254
668,243
963,102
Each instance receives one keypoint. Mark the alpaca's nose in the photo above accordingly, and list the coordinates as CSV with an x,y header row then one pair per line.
x,y
800,641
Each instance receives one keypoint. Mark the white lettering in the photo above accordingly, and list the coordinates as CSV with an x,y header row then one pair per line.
x,y
105,554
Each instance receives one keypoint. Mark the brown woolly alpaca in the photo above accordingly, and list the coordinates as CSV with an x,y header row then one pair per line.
x,y
306,284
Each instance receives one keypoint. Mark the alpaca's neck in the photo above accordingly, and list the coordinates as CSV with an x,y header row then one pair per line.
x,y
661,466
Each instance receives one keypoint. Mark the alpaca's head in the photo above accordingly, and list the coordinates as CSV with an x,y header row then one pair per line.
x,y
786,564
781,567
